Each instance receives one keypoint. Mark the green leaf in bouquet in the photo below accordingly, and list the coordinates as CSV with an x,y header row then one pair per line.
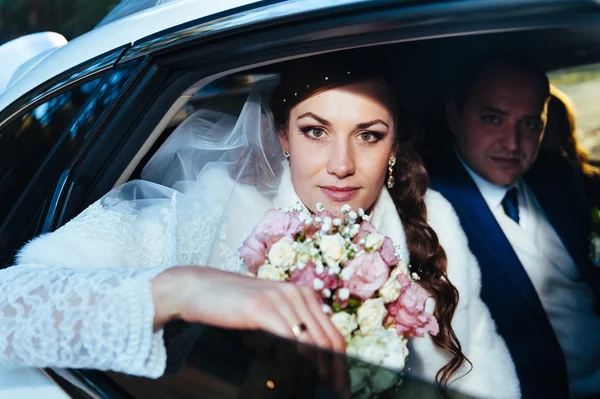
x,y
353,303
337,307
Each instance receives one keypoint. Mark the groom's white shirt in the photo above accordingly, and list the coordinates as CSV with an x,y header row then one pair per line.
x,y
567,300
170,232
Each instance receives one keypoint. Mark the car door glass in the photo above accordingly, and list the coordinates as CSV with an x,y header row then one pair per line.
x,y
29,140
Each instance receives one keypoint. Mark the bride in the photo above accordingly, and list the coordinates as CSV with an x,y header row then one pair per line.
x,y
331,134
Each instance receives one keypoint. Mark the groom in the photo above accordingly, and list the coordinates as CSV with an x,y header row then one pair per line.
x,y
526,221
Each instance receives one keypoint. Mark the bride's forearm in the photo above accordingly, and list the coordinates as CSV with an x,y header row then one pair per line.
x,y
169,290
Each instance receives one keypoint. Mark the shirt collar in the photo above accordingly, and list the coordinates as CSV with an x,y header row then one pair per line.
x,y
492,193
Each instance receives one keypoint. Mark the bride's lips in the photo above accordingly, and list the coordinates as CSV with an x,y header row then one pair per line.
x,y
339,194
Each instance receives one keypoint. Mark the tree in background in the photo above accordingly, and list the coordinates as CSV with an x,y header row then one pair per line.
x,y
70,18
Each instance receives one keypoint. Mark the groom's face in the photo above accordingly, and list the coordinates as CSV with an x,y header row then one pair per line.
x,y
340,142
499,129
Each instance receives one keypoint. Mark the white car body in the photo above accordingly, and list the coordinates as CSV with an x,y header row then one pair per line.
x,y
114,35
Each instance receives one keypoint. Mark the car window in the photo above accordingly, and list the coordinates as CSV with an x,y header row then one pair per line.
x,y
29,140
582,85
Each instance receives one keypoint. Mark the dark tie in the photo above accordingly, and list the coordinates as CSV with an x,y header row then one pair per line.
x,y
510,203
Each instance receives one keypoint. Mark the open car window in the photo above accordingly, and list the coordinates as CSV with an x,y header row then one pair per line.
x,y
582,85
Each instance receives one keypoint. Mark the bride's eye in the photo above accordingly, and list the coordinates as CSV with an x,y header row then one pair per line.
x,y
369,137
314,132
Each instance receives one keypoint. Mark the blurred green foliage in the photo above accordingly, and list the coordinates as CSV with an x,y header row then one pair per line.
x,y
70,18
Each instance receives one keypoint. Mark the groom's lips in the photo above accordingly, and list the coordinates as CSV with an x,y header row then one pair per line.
x,y
339,194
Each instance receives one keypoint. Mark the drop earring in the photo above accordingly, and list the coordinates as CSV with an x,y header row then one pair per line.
x,y
286,154
390,180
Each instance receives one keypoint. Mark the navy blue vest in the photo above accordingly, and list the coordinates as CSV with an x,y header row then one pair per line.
x,y
506,288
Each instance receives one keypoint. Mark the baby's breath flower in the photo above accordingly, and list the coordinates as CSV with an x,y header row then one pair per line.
x,y
344,294
353,215
337,222
300,265
346,274
318,219
346,208
415,276
319,268
327,293
318,284
366,218
326,308
319,206
361,212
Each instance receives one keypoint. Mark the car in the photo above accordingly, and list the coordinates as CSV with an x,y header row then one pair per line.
x,y
87,116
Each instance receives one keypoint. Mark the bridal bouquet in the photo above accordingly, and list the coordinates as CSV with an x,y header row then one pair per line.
x,y
371,296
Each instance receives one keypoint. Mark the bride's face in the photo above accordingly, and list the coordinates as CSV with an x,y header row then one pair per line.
x,y
340,143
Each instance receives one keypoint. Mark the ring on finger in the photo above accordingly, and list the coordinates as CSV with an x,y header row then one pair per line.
x,y
298,329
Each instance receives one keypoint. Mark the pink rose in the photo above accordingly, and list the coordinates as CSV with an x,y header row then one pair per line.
x,y
306,277
276,224
368,274
387,252
364,230
271,228
409,310
254,253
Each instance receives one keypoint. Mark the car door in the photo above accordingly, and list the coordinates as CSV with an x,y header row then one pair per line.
x,y
41,136
172,67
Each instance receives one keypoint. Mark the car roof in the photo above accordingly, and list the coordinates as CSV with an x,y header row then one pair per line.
x,y
114,35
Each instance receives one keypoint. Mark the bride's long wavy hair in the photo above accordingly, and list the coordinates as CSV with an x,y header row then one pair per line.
x,y
305,79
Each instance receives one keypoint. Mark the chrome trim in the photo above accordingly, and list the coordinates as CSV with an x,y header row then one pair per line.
x,y
100,65
249,17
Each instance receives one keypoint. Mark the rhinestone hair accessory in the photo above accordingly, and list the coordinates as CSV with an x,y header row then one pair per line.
x,y
301,79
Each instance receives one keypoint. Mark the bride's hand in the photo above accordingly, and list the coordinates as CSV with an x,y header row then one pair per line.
x,y
229,300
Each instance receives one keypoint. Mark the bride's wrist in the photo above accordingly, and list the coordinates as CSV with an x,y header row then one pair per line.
x,y
169,294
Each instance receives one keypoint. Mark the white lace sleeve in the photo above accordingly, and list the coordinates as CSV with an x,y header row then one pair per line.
x,y
60,317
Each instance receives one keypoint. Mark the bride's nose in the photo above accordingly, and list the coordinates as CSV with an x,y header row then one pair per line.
x,y
341,160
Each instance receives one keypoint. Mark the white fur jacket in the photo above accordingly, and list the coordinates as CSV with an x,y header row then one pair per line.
x,y
117,249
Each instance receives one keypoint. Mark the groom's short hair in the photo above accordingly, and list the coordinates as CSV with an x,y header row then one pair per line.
x,y
469,75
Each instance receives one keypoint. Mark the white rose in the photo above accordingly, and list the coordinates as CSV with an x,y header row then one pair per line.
x,y
304,257
390,291
345,323
397,349
382,348
282,253
374,241
370,315
270,272
367,348
333,248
